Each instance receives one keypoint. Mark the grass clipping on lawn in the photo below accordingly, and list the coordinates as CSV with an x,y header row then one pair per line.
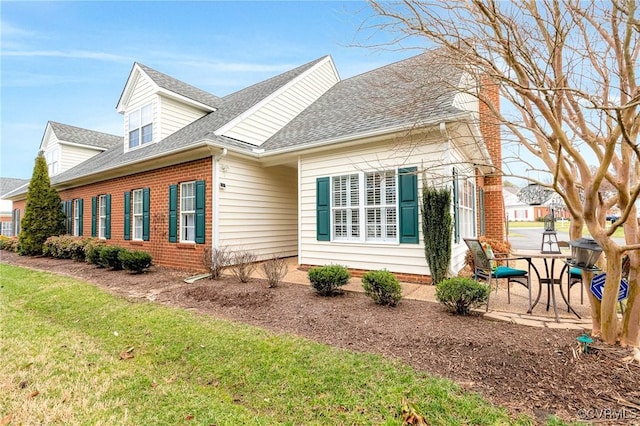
x,y
72,354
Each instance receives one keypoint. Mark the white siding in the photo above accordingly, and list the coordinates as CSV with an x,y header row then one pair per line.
x,y
269,118
71,156
258,208
175,115
402,258
143,94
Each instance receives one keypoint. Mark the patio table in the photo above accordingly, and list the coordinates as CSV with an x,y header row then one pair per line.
x,y
548,278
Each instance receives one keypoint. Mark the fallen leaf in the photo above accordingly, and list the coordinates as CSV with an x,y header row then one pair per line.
x,y
189,417
6,419
23,384
34,394
127,354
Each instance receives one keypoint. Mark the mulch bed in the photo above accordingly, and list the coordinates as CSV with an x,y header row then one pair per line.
x,y
539,372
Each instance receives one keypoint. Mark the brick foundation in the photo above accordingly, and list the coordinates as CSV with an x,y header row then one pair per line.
x,y
406,278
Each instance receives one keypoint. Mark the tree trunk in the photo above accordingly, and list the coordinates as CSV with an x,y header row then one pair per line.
x,y
608,314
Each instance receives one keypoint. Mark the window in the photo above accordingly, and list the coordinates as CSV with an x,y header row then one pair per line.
x,y
141,126
464,213
365,207
77,217
137,214
6,229
187,205
187,212
102,216
52,158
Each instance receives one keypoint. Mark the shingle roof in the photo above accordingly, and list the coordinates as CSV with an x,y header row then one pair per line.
x,y
82,136
10,184
181,88
232,106
404,94
419,89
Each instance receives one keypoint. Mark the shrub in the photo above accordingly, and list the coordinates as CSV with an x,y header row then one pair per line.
x,y
109,257
215,261
9,243
243,265
274,270
383,287
66,247
93,253
135,260
459,294
326,279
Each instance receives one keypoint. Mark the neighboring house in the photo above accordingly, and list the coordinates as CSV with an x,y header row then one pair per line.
x,y
302,164
8,220
516,210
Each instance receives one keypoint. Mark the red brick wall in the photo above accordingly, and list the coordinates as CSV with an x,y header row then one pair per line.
x,y
492,182
176,255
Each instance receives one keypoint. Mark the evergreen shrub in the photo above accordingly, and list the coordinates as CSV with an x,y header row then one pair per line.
x,y
109,257
135,260
460,294
383,287
326,279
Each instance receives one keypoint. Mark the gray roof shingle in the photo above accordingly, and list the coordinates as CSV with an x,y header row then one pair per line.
x,y
10,184
418,89
67,133
181,88
232,106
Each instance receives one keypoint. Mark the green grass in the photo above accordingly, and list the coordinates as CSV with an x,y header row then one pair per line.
x,y
561,226
60,364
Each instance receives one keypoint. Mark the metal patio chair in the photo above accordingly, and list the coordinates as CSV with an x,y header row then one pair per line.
x,y
485,269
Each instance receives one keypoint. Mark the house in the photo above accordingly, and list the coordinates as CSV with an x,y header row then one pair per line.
x,y
302,164
7,213
518,210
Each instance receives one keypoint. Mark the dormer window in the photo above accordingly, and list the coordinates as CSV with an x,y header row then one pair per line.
x,y
141,126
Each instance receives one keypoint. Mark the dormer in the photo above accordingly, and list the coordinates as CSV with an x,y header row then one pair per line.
x,y
155,105
64,146
267,117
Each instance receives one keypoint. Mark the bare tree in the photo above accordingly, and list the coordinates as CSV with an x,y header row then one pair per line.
x,y
567,72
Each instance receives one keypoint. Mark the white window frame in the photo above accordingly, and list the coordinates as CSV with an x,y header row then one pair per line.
x,y
137,220
102,216
76,217
6,228
140,121
187,198
52,158
466,208
354,202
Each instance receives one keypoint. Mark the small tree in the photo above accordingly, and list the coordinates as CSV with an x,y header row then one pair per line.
x,y
43,216
437,230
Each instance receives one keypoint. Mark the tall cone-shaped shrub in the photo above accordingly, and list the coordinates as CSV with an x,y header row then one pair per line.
x,y
437,230
43,215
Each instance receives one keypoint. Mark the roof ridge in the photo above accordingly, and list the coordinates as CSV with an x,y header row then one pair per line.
x,y
82,128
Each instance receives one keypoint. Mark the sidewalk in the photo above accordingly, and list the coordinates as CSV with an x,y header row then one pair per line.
x,y
500,310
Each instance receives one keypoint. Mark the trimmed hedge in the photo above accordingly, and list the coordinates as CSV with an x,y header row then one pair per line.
x,y
460,294
383,287
67,247
326,279
135,260
8,243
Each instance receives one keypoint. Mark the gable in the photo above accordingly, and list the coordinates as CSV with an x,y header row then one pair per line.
x,y
266,118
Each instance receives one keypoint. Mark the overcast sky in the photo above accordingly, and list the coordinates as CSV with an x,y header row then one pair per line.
x,y
69,61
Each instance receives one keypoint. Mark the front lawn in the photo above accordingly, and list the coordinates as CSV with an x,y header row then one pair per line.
x,y
72,354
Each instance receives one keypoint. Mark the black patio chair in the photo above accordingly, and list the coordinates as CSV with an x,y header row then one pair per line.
x,y
484,268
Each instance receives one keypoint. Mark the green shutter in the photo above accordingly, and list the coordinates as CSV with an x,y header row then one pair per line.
x,y
94,213
146,205
70,219
173,213
127,215
107,227
408,204
456,208
80,213
201,198
323,209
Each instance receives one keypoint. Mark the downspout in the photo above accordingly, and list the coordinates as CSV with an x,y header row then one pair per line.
x,y
215,211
